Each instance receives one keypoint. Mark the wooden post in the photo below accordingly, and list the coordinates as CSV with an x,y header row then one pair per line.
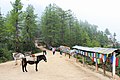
x,y
83,59
76,57
96,65
104,69
114,61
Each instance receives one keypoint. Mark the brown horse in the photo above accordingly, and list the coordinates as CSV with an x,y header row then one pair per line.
x,y
38,59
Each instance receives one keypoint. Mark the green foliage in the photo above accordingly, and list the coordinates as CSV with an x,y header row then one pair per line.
x,y
6,55
107,32
29,29
19,29
59,27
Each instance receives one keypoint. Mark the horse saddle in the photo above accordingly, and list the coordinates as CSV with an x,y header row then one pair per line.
x,y
31,58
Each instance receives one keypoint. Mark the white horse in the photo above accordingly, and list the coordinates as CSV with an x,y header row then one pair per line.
x,y
17,56
72,52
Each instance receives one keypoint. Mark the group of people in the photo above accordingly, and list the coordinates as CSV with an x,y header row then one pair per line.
x,y
54,49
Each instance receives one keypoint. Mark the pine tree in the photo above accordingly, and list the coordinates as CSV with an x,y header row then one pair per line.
x,y
15,16
29,29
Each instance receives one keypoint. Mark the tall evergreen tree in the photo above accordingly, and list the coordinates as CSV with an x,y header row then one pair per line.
x,y
15,16
107,32
29,29
61,27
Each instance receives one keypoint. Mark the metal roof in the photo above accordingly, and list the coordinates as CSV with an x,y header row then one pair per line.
x,y
96,49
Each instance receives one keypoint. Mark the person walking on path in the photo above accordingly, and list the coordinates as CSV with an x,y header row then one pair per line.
x,y
53,50
44,52
60,51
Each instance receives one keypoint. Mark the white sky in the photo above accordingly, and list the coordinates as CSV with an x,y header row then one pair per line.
x,y
104,13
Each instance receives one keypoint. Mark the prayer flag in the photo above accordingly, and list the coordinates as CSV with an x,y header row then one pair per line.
x,y
98,61
117,59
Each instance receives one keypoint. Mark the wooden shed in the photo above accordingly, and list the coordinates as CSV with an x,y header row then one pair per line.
x,y
98,52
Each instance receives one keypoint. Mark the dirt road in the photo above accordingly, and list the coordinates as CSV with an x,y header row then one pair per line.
x,y
57,68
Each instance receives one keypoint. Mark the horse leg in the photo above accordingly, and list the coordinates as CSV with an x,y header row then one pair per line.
x,y
16,62
36,67
23,66
45,53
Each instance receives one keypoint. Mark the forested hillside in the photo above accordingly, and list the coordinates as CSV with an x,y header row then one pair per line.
x,y
19,29
59,27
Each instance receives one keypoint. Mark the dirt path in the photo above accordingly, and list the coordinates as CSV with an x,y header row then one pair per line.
x,y
57,68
